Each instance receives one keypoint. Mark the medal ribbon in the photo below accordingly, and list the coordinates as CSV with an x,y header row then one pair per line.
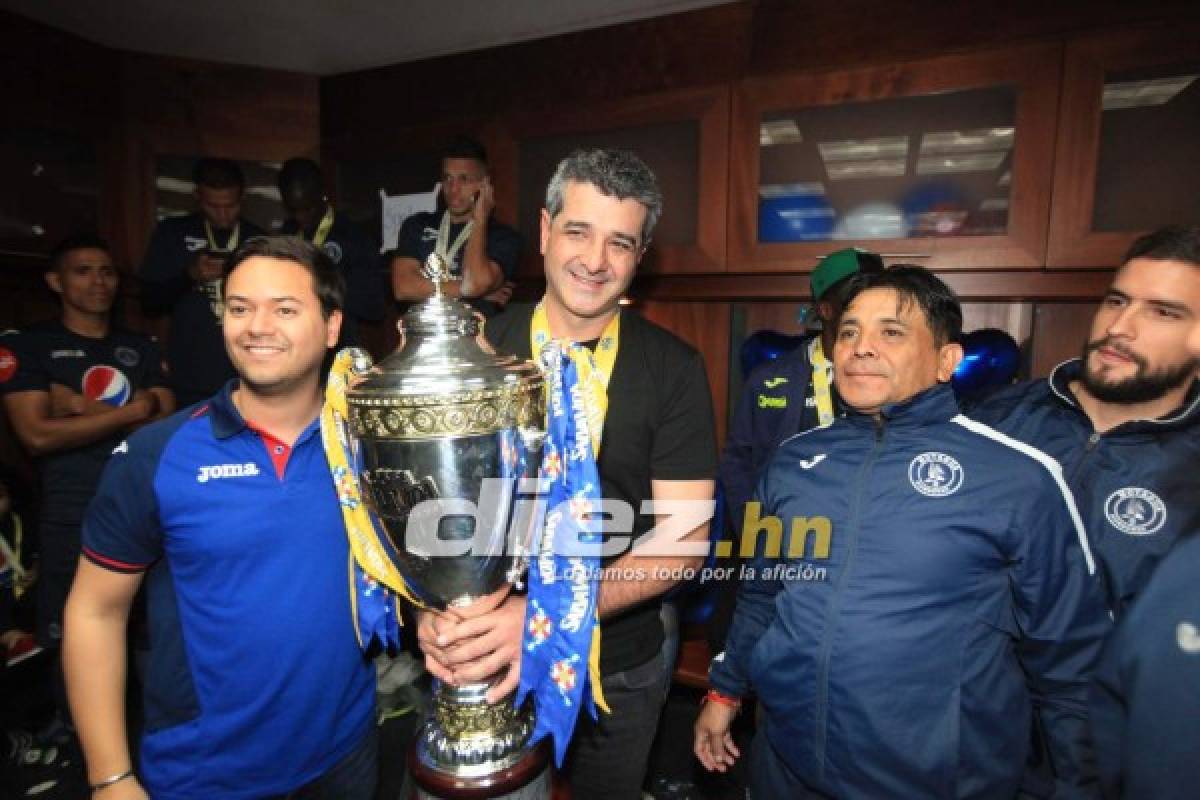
x,y
230,244
562,632
820,382
323,228
11,570
443,237
212,289
374,579
595,369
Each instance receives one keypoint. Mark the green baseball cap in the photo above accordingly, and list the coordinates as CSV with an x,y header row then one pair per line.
x,y
841,264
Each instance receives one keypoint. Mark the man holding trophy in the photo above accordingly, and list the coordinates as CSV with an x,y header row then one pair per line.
x,y
648,394
442,442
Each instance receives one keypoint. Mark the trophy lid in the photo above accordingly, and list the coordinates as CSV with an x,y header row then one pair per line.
x,y
445,378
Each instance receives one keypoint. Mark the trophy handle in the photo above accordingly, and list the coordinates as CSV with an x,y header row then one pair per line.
x,y
360,364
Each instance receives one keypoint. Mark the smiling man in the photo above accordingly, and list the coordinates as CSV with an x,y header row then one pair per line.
x,y
255,685
1124,419
72,389
657,444
903,653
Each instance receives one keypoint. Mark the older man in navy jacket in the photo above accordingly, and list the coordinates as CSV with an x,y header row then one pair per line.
x,y
935,586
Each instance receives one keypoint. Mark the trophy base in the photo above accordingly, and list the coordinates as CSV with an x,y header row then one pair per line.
x,y
531,778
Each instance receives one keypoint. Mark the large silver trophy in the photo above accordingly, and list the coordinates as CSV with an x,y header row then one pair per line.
x,y
442,420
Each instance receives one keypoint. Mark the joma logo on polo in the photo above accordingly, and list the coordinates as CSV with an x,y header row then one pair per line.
x,y
226,471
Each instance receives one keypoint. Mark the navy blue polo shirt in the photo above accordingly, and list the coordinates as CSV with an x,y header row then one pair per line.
x,y
255,683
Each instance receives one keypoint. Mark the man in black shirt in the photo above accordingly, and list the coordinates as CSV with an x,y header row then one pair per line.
x,y
658,444
481,252
181,276
312,217
73,388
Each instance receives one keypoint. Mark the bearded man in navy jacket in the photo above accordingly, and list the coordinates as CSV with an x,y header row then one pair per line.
x,y
1124,418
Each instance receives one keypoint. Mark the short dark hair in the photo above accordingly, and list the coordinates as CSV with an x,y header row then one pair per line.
x,y
218,173
1172,243
614,173
465,147
77,241
301,175
914,284
328,282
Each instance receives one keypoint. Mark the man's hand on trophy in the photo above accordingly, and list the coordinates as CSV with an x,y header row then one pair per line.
x,y
485,646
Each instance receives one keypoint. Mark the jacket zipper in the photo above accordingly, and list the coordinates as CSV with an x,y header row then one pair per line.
x,y
831,615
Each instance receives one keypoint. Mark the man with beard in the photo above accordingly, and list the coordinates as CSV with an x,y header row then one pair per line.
x,y
1124,419
1144,703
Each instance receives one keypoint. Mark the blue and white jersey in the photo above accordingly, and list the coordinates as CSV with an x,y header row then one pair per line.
x,y
255,684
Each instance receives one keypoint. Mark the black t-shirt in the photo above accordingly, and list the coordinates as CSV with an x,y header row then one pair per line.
x,y
195,348
109,369
659,426
418,237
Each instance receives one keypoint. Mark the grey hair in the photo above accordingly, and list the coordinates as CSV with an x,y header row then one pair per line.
x,y
616,173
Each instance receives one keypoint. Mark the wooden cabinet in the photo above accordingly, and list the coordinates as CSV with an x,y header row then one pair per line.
x,y
683,136
1128,154
944,160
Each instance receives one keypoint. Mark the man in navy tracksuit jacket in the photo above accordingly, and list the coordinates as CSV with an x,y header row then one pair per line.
x,y
1124,420
1146,695
934,585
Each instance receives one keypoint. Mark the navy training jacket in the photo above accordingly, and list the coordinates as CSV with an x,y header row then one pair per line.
x,y
941,590
1136,485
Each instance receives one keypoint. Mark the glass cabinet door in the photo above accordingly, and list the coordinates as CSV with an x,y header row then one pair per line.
x,y
1129,151
944,161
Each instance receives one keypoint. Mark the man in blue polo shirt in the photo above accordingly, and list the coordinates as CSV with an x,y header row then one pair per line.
x,y
255,685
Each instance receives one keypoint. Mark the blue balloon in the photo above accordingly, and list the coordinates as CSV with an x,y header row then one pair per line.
x,y
763,346
991,359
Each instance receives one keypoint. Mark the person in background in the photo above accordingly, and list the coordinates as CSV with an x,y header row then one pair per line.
x,y
74,388
780,399
481,252
312,217
181,276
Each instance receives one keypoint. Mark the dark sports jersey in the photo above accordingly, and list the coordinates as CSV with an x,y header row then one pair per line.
x,y
418,237
195,350
109,370
659,426
358,259
254,684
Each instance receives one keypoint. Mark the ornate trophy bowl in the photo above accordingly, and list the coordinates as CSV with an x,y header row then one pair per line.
x,y
448,437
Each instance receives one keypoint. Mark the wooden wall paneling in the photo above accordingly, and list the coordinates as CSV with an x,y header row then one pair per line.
x,y
1059,331
790,35
1072,242
708,106
564,73
974,285
705,326
1033,69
